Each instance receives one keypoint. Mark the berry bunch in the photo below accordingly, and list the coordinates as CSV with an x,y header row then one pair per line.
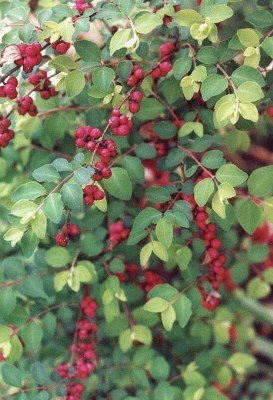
x,y
26,105
30,56
6,134
134,101
92,193
136,77
129,274
82,5
9,89
88,137
42,84
60,46
165,66
83,351
264,235
120,124
68,232
150,280
118,233
217,274
161,70
270,111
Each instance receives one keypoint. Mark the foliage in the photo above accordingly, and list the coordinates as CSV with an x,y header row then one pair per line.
x,y
137,251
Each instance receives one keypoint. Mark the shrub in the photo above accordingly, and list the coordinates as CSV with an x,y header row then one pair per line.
x,y
136,199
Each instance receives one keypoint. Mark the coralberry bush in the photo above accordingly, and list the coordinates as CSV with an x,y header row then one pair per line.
x,y
136,199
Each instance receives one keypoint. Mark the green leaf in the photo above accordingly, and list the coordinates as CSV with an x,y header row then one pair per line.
x,y
119,184
248,215
39,224
11,375
32,335
88,51
134,168
245,74
248,37
213,85
145,151
102,78
219,13
5,333
119,40
164,232
218,206
156,304
249,111
57,257
203,190
62,63
257,288
72,196
74,83
46,173
145,253
267,45
249,92
168,318
213,159
157,194
125,340
189,127
260,182
160,250
183,310
226,191
29,191
13,235
29,243
7,300
147,22
241,361
183,257
232,174
187,17
53,207
142,334
60,280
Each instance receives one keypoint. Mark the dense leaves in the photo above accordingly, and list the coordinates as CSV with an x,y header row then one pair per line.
x,y
136,200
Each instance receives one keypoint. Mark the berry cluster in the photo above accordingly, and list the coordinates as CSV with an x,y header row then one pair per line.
x,y
82,5
146,282
118,233
136,77
92,193
6,134
82,351
26,105
9,89
134,101
217,274
165,66
42,84
30,56
263,235
129,274
270,111
120,124
68,232
60,46
150,280
90,138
